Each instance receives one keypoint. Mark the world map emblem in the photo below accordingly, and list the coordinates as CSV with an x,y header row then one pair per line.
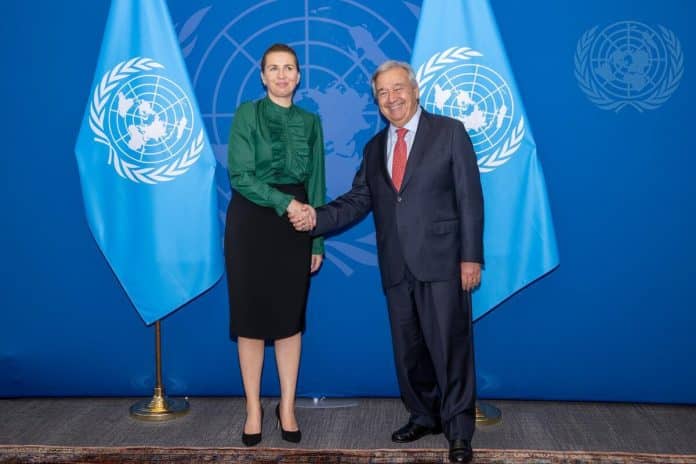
x,y
146,120
339,45
457,84
628,64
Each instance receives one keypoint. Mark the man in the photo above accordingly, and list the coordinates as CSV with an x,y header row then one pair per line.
x,y
420,178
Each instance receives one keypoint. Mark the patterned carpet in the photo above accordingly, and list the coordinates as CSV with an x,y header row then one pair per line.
x,y
114,455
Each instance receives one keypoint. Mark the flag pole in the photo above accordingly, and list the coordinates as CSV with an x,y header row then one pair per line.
x,y
486,413
159,407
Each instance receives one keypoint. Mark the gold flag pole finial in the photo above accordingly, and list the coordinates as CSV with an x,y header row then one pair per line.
x,y
159,407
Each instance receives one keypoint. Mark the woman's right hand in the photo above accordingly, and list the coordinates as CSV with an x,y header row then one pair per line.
x,y
294,208
302,216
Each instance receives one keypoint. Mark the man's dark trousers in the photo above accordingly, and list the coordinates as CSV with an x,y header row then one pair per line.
x,y
432,339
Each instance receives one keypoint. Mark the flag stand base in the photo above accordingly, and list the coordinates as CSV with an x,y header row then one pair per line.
x,y
326,403
487,414
159,408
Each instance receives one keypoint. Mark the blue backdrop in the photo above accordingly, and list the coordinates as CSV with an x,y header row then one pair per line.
x,y
614,322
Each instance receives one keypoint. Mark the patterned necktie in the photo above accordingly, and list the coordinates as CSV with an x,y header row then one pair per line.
x,y
399,160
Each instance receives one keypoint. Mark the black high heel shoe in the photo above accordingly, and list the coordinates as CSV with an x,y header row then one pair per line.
x,y
251,439
292,436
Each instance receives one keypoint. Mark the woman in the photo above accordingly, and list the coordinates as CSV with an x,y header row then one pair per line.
x,y
276,164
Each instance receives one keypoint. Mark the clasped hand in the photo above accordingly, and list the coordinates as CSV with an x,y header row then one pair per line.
x,y
302,216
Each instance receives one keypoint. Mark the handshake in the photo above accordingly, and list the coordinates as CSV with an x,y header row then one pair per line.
x,y
302,216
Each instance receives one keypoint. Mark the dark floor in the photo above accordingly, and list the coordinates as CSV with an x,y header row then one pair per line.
x,y
217,422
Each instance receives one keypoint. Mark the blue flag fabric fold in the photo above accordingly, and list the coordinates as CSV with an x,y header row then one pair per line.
x,y
463,72
146,166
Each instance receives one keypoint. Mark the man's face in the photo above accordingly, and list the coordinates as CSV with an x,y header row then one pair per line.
x,y
396,96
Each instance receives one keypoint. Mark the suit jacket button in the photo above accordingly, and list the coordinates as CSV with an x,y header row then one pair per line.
x,y
398,199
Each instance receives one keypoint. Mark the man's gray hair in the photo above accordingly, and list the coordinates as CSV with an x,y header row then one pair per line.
x,y
391,64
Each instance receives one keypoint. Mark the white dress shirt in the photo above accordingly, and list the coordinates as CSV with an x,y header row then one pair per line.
x,y
412,127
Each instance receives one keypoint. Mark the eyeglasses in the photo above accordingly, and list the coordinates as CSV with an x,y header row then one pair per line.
x,y
383,94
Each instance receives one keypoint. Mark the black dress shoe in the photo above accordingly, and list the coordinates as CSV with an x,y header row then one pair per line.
x,y
252,439
293,436
460,451
412,432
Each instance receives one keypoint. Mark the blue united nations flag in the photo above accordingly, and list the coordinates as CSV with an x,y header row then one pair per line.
x,y
463,73
146,167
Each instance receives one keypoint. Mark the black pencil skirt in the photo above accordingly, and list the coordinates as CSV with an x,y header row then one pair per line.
x,y
267,265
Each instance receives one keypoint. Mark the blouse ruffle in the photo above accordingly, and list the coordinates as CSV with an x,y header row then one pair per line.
x,y
286,134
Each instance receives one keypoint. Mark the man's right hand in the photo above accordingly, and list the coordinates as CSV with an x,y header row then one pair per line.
x,y
302,216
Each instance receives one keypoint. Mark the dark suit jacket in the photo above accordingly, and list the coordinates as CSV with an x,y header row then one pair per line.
x,y
435,221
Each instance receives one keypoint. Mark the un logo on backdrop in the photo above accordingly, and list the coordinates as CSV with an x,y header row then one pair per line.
x,y
146,120
628,64
453,85
339,45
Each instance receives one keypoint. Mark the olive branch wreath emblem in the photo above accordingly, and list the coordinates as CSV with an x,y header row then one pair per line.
x,y
102,94
452,55
605,101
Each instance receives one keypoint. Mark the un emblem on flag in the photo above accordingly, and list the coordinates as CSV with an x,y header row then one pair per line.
x,y
452,85
146,120
628,64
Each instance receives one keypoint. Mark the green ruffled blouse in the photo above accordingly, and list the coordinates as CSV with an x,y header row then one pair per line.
x,y
271,144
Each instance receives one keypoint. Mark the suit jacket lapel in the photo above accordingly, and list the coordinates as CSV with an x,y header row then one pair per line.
x,y
418,149
383,151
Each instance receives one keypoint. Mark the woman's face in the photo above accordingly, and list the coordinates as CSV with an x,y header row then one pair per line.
x,y
280,76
